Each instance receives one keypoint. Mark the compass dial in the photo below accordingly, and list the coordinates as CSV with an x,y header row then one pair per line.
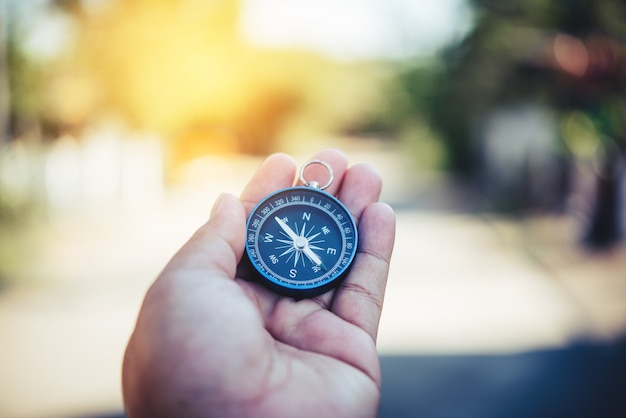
x,y
301,240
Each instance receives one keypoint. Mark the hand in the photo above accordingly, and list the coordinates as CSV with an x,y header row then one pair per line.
x,y
210,343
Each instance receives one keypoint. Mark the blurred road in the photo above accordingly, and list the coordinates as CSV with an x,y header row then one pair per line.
x,y
580,381
460,284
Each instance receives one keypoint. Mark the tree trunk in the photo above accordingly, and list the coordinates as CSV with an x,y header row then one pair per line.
x,y
604,228
4,78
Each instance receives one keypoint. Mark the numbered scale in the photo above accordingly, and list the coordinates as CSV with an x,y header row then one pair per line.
x,y
301,239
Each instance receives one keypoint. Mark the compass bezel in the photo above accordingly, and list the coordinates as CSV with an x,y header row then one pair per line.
x,y
342,226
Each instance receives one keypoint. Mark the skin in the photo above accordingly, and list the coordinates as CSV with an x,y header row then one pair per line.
x,y
210,343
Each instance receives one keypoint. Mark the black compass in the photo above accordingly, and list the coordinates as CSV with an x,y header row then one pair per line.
x,y
301,239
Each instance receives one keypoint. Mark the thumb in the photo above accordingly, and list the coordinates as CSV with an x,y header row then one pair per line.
x,y
219,243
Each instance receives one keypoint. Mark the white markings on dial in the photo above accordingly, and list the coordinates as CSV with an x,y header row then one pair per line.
x,y
293,245
299,244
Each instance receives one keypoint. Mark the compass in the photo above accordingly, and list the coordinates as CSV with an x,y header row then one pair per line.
x,y
301,240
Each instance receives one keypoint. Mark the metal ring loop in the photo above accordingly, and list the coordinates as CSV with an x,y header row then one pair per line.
x,y
314,183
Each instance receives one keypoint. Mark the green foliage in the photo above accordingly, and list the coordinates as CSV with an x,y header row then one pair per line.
x,y
509,57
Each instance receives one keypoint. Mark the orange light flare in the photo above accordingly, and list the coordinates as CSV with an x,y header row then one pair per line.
x,y
571,54
594,58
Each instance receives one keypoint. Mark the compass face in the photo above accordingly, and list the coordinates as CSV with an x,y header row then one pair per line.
x,y
301,240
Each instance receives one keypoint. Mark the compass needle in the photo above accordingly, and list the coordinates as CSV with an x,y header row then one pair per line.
x,y
312,256
286,228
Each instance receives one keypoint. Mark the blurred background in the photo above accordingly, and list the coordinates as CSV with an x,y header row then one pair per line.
x,y
499,128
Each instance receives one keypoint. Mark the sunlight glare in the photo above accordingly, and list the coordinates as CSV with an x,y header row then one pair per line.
x,y
356,29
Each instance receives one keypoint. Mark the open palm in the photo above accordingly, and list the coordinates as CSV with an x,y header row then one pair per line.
x,y
209,341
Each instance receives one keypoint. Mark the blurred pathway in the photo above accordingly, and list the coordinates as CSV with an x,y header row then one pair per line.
x,y
469,284
459,284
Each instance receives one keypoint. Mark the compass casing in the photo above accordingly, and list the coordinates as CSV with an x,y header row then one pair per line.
x,y
301,240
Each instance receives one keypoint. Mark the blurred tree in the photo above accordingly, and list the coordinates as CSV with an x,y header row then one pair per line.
x,y
4,82
175,67
567,55
181,69
20,77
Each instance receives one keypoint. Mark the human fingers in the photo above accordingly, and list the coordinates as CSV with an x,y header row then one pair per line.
x,y
216,245
359,298
276,172
361,187
316,172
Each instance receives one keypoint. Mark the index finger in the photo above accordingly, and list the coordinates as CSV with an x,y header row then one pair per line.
x,y
276,172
